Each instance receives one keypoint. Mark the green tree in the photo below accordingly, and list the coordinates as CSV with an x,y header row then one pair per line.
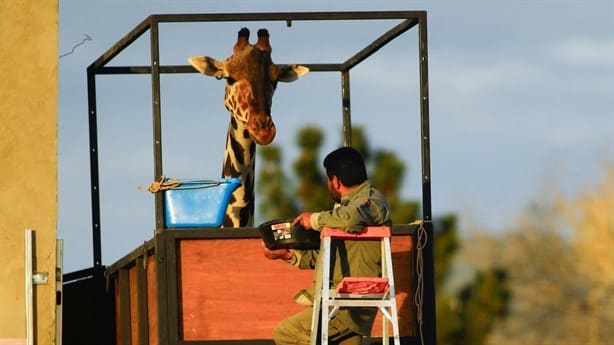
x,y
272,185
311,188
483,302
465,316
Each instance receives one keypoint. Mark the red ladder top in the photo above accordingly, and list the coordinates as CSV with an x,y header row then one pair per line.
x,y
368,233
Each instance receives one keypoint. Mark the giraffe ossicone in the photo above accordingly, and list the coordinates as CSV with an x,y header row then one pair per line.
x,y
251,78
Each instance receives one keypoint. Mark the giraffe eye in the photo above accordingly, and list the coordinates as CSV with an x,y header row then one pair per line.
x,y
230,80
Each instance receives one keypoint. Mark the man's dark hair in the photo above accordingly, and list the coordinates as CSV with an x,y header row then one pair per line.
x,y
347,164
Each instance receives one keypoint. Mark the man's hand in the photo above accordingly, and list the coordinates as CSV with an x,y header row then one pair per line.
x,y
304,219
276,254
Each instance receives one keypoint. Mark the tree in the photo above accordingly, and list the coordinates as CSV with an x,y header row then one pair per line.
x,y
559,260
311,189
467,315
273,185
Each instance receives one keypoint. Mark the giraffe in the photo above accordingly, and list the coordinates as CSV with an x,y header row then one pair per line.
x,y
251,79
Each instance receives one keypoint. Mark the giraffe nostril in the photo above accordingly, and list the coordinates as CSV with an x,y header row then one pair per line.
x,y
263,123
267,123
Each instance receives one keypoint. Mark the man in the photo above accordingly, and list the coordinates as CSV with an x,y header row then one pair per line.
x,y
357,205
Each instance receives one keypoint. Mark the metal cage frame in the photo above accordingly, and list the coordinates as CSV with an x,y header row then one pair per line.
x,y
425,325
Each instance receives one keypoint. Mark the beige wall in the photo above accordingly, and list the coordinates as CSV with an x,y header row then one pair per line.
x,y
28,161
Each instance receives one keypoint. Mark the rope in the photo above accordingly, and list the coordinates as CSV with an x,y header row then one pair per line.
x,y
172,183
419,296
161,185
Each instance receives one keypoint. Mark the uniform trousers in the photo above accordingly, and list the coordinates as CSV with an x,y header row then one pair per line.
x,y
296,330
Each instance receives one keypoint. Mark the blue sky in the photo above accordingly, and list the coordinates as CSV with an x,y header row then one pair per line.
x,y
522,104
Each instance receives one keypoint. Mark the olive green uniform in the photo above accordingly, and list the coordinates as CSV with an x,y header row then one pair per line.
x,y
361,207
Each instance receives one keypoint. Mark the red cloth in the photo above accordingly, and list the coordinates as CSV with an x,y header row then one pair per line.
x,y
362,285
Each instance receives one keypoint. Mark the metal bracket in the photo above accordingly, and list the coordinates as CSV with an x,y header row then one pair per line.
x,y
39,278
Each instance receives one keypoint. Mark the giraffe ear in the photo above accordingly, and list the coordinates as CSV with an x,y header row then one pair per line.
x,y
208,66
288,73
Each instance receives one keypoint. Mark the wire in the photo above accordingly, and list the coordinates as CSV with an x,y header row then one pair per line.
x,y
419,296
87,38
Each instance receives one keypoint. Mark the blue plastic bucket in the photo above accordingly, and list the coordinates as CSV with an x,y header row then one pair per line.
x,y
198,203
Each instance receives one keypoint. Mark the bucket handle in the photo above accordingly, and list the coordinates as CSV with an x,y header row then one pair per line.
x,y
172,183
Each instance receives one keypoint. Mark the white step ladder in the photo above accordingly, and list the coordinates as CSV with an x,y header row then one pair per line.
x,y
355,291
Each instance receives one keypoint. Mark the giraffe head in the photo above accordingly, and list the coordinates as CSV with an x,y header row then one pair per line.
x,y
251,79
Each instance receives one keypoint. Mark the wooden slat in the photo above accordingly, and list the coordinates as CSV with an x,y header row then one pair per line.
x,y
152,301
125,315
141,290
134,308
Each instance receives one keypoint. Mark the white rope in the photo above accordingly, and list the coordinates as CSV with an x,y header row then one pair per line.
x,y
422,240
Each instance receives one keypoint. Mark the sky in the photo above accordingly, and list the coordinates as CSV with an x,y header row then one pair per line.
x,y
521,104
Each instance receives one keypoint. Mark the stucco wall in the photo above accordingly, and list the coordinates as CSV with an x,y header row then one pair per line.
x,y
28,174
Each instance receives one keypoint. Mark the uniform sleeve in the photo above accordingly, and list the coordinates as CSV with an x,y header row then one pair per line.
x,y
347,218
355,216
304,259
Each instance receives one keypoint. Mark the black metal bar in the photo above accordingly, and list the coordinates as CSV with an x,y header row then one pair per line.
x,y
78,275
379,43
322,67
346,108
124,307
157,120
284,16
94,178
162,286
122,44
142,27
428,316
141,294
172,271
424,122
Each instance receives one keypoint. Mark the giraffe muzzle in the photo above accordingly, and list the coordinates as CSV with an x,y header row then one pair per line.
x,y
262,131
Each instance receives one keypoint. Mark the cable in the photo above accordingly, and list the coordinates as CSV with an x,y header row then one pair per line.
x,y
422,240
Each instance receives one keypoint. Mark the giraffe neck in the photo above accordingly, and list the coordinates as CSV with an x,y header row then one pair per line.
x,y
239,161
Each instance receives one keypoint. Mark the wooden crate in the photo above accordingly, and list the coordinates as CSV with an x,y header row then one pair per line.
x,y
206,286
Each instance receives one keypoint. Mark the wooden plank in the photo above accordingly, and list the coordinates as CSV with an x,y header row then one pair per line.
x,y
142,313
118,325
227,289
134,308
125,315
152,301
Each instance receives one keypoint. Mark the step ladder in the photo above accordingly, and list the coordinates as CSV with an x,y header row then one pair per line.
x,y
355,291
